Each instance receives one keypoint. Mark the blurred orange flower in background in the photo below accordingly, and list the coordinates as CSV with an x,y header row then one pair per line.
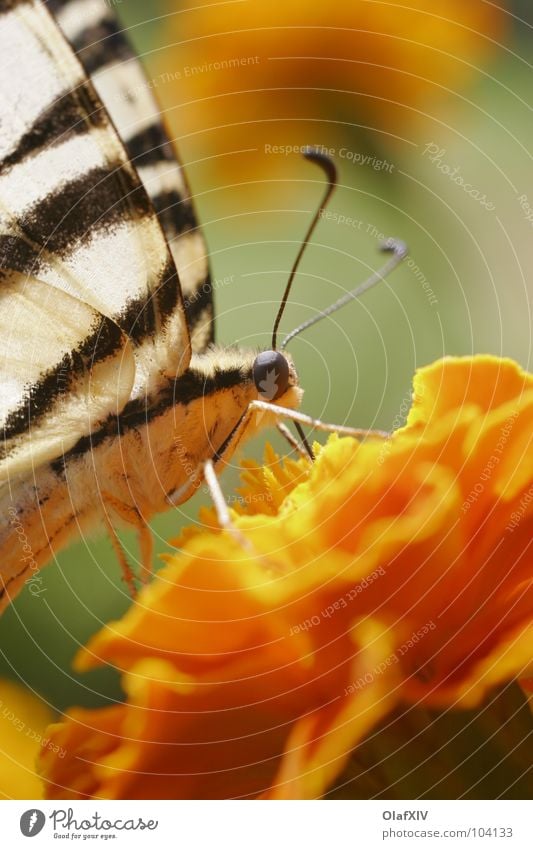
x,y
23,719
389,572
241,78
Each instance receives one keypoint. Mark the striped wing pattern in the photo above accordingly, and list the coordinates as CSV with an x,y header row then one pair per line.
x,y
118,77
72,366
79,239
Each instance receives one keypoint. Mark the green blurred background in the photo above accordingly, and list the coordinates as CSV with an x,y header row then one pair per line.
x,y
466,288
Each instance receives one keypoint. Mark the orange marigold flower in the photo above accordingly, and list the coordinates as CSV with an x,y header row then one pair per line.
x,y
254,74
388,572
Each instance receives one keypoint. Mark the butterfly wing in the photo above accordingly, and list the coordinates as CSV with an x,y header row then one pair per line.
x,y
64,367
89,295
73,212
118,77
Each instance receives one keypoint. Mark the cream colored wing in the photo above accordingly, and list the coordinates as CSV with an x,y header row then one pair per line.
x,y
73,211
117,75
64,370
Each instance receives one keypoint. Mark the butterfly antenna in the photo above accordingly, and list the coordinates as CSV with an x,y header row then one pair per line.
x,y
330,171
399,252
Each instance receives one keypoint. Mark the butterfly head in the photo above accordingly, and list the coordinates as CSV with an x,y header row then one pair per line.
x,y
273,375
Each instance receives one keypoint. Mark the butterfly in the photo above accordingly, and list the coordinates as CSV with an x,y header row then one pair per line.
x,y
115,400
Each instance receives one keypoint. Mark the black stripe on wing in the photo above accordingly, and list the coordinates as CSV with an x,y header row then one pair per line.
x,y
137,319
17,255
150,146
106,340
96,44
56,123
82,207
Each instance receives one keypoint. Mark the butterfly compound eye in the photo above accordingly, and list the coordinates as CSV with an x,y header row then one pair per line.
x,y
271,374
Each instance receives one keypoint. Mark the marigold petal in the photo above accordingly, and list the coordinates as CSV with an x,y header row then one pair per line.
x,y
457,383
390,571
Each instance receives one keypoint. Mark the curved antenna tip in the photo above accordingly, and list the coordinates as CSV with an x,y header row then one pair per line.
x,y
394,246
324,161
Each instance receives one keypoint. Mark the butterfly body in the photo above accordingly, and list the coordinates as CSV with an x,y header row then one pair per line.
x,y
132,466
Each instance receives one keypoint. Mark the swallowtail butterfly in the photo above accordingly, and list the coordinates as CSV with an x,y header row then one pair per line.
x,y
112,388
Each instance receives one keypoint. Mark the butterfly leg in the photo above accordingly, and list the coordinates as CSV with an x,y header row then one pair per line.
x,y
219,502
125,567
131,516
303,418
300,448
146,546
279,412
226,522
